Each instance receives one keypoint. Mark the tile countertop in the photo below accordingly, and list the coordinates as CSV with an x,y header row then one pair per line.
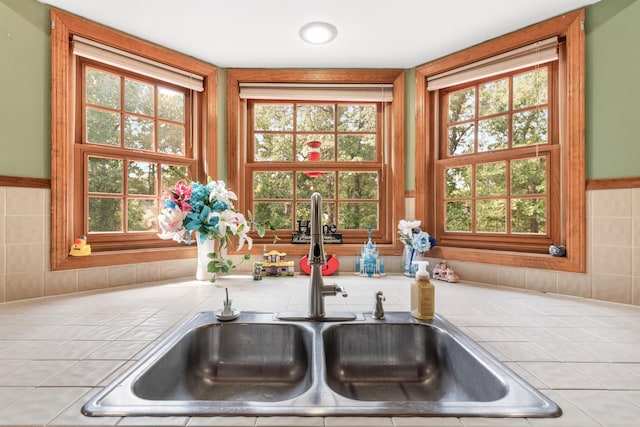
x,y
56,352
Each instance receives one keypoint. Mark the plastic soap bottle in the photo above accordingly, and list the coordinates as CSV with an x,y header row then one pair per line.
x,y
422,293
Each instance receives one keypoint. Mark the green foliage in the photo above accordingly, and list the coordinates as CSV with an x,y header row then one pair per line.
x,y
458,216
529,176
105,214
491,179
494,98
138,97
493,134
103,127
461,139
102,89
273,147
261,227
315,118
347,133
530,127
273,117
220,265
171,105
478,196
143,130
458,182
491,216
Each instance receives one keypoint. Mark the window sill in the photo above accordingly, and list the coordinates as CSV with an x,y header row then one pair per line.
x,y
573,262
344,249
106,259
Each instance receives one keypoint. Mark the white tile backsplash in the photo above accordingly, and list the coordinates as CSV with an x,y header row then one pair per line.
x,y
613,255
25,201
612,203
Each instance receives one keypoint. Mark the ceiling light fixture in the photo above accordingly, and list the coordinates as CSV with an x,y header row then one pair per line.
x,y
318,32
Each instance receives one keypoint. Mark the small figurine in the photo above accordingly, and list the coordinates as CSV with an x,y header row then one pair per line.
x,y
439,270
274,264
80,247
257,271
450,276
370,263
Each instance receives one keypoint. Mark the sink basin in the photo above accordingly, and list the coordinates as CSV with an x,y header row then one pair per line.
x,y
405,362
217,362
259,365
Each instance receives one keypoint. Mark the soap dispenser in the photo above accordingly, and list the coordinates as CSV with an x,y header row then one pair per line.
x,y
422,293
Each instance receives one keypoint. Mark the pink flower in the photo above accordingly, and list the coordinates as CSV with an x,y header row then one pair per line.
x,y
182,195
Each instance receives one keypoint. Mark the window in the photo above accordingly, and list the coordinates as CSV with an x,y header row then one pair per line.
x,y
332,148
500,147
129,120
309,136
133,144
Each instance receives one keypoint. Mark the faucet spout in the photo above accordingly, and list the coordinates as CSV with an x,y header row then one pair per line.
x,y
316,248
317,288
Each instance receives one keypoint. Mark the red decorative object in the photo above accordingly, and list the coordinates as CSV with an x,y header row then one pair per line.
x,y
314,156
330,267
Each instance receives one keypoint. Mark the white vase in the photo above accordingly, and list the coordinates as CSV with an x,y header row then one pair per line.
x,y
204,248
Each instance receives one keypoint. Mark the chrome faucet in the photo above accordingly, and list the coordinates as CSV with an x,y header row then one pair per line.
x,y
317,289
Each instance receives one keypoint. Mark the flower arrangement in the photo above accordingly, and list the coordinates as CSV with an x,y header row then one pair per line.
x,y
208,210
412,235
415,240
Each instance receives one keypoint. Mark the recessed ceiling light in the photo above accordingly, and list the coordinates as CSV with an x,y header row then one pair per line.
x,y
318,32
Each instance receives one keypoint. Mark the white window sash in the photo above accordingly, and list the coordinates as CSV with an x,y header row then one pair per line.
x,y
317,92
118,58
527,56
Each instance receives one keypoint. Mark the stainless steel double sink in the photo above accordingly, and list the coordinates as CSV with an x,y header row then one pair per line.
x,y
260,365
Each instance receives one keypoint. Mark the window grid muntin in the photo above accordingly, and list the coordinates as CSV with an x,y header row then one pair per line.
x,y
160,159
123,113
549,150
472,199
298,165
510,112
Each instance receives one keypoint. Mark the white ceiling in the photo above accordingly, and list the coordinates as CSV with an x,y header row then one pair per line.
x,y
264,33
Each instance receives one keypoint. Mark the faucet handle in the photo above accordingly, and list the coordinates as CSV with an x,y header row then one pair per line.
x,y
378,310
334,289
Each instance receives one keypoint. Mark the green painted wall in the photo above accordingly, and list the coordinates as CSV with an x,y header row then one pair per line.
x,y
410,128
222,124
24,89
612,90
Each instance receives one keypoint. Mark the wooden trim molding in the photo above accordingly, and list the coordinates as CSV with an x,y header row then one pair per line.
x,y
613,183
17,181
570,28
236,135
64,26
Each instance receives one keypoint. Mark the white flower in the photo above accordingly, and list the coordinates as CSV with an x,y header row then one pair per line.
x,y
218,191
406,227
170,222
231,222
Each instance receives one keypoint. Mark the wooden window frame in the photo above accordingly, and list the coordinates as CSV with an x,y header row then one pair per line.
x,y
65,182
295,166
84,149
392,169
549,150
570,29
